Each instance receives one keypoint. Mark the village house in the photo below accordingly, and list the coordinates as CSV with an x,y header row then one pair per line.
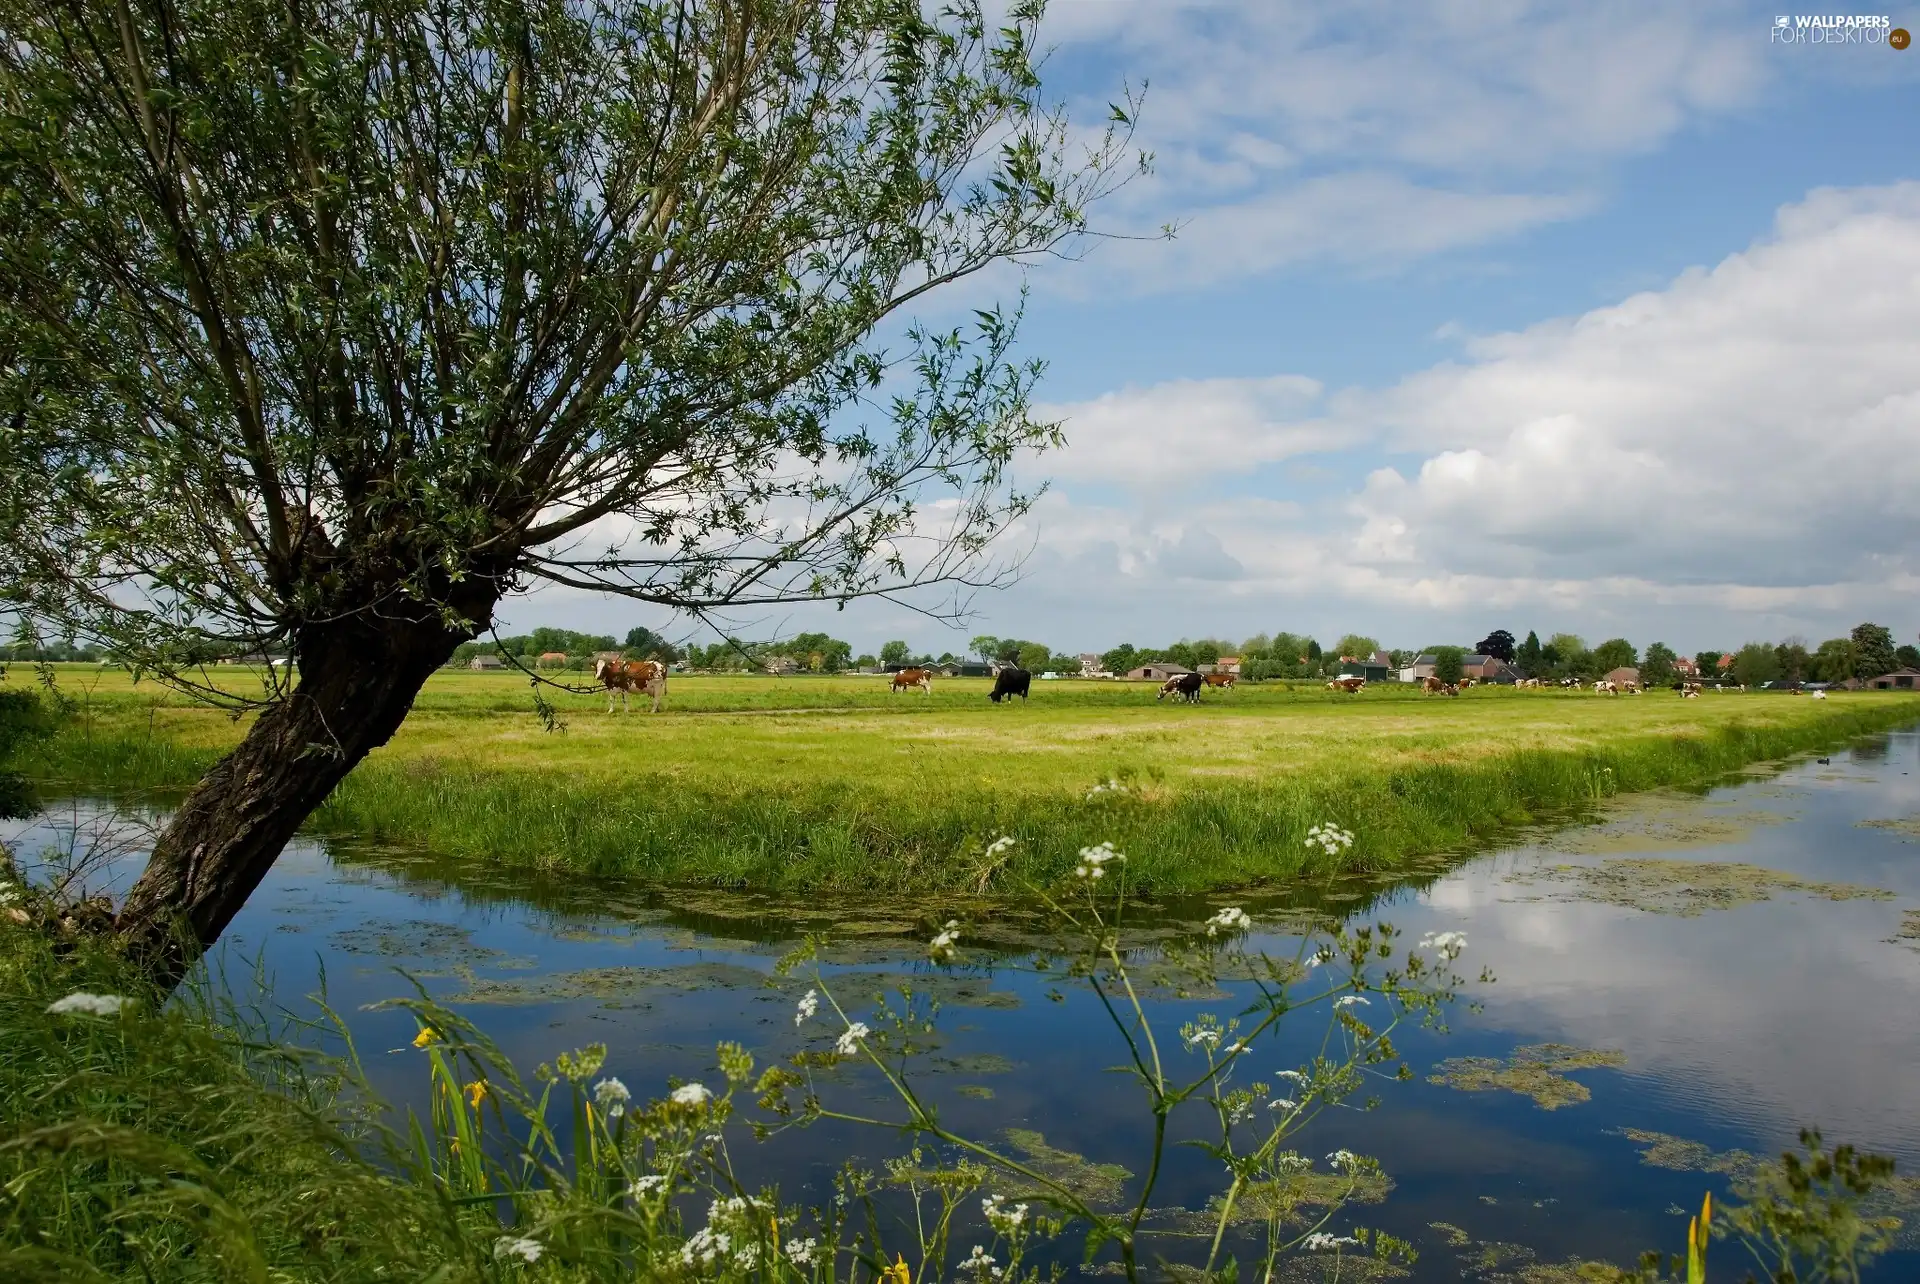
x,y
1684,667
780,665
1898,680
1092,666
1620,675
485,662
1157,672
551,659
1372,668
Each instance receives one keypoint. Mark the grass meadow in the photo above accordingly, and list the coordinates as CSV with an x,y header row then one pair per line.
x,y
788,784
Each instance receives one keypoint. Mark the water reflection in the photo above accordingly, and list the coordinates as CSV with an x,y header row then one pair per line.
x,y
1703,1011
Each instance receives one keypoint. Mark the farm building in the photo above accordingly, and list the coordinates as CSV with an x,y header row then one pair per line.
x,y
1621,675
1898,680
551,659
1158,672
1368,668
1092,666
485,662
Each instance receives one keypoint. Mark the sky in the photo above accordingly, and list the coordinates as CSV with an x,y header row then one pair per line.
x,y
1598,318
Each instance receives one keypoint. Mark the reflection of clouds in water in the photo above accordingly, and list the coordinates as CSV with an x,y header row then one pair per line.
x,y
1793,1011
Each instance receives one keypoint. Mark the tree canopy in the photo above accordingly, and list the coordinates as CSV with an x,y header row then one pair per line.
x,y
1499,644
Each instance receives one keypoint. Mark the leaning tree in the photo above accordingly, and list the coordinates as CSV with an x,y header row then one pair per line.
x,y
325,328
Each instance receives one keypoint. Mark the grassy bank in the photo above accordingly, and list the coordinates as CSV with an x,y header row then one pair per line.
x,y
836,783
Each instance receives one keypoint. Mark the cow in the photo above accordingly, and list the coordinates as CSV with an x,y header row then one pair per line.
x,y
619,677
1352,686
1817,695
922,678
1183,686
1569,682
1224,681
1689,690
1434,686
1604,687
1009,682
1464,683
1527,682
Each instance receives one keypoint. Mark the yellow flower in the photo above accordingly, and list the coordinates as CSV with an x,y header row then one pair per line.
x,y
898,1272
425,1037
476,1091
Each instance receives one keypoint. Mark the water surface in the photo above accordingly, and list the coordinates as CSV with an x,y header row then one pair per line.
x,y
1730,960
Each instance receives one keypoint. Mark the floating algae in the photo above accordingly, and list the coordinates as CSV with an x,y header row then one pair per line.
x,y
441,943
1450,1235
1909,931
1348,1268
1905,826
1096,1185
979,1091
1896,1197
1538,1070
1659,820
1683,887
1289,1200
615,987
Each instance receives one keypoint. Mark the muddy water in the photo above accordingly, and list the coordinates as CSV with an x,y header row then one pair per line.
x,y
1684,980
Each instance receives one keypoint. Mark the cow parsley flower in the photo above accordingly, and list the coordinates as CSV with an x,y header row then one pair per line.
x,y
1005,1221
705,1246
612,1097
1329,838
1000,844
1294,1075
1447,944
1111,787
1343,1159
981,1265
849,1042
941,947
1282,1103
1320,1242
1231,919
801,1251
527,1250
643,1186
1349,1000
80,1003
808,1005
1093,861
690,1094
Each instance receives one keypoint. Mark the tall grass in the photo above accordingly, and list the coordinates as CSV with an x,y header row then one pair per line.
x,y
912,803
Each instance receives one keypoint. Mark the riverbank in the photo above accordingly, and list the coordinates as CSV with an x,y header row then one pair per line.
x,y
834,784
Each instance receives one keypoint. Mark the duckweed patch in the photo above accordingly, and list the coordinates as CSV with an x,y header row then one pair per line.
x,y
1683,887
1537,1070
1346,1269
978,1091
1904,826
440,943
614,987
1450,1235
1096,1185
1295,1200
1908,933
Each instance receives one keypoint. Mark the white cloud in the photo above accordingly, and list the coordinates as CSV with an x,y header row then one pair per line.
x,y
1186,431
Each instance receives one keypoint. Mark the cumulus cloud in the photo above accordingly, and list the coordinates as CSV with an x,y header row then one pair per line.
x,y
1376,132
1186,430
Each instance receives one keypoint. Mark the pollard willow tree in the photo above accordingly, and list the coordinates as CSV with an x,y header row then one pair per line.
x,y
325,327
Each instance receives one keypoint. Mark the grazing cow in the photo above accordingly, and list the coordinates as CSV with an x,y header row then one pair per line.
x,y
922,678
1464,683
1183,686
1689,690
1352,686
1604,687
1222,680
1434,686
1818,695
619,677
1010,682
1527,682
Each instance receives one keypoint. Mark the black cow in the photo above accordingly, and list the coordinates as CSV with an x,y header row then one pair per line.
x,y
1184,686
1010,682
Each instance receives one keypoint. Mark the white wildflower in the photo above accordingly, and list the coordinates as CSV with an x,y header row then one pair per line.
x,y
527,1250
612,1097
1320,1242
1231,919
8,894
705,1246
981,1265
1204,1037
1349,1000
1447,944
1111,787
690,1094
808,1005
800,1251
80,1002
646,1185
1329,838
1000,844
1093,861
1283,1103
942,945
850,1037
1294,1075
1292,1163
1343,1159
1005,1221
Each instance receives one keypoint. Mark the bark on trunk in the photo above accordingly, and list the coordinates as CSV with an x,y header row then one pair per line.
x,y
356,685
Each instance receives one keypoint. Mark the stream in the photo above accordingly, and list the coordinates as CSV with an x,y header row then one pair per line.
x,y
1684,980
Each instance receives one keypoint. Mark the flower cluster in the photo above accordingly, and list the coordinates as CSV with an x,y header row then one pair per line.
x,y
1230,919
808,1005
612,1097
527,1250
690,1094
1350,1000
981,1265
1093,861
849,1041
1343,1159
941,947
1321,1242
727,1236
999,845
1330,838
1204,1033
1005,1221
1111,787
1447,944
83,1004
801,1251
647,1185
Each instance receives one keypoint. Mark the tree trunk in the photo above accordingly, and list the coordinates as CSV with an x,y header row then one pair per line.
x,y
357,682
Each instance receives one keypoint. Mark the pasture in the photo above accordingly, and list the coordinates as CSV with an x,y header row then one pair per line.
x,y
794,783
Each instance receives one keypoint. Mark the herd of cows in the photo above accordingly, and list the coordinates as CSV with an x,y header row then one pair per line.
x,y
649,677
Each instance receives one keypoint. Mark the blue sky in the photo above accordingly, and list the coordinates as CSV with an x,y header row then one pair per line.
x,y
1596,317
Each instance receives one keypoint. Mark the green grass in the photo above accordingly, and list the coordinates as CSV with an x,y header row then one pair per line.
x,y
835,783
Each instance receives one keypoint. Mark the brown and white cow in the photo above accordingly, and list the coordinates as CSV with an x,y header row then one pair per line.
x,y
1689,690
1604,687
1433,686
1183,686
1352,686
1222,680
619,677
908,678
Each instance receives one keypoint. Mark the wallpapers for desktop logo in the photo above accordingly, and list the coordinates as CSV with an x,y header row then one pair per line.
x,y
1837,29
